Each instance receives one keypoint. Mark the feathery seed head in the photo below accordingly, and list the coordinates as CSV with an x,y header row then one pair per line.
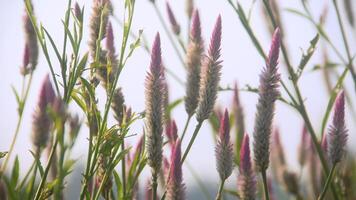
x,y
324,143
193,61
337,131
189,8
246,179
172,19
175,187
154,109
210,76
268,94
41,120
224,150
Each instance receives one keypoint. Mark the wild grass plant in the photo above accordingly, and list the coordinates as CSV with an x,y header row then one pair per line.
x,y
80,70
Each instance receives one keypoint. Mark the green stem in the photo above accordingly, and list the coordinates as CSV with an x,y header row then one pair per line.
x,y
265,186
219,195
349,65
123,165
197,128
26,176
185,127
19,122
44,177
33,179
328,181
154,186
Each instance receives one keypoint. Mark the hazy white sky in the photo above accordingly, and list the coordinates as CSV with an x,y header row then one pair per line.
x,y
241,63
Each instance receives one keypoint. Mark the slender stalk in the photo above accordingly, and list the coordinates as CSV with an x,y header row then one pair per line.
x,y
185,127
302,108
349,65
154,186
197,128
33,178
44,177
123,172
19,122
265,186
158,12
181,43
328,181
221,188
26,176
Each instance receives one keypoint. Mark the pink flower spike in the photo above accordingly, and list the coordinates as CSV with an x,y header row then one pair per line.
x,y
272,60
156,60
195,32
215,41
172,19
175,187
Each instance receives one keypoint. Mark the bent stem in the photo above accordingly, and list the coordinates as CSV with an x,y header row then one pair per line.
x,y
328,181
218,196
265,186
185,127
196,131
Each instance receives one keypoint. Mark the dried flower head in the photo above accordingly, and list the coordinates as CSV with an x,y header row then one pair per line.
x,y
172,19
154,109
31,42
193,62
268,94
210,75
175,187
246,179
224,149
337,131
41,120
102,168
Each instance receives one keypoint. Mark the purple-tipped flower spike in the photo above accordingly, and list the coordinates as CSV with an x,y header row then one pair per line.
x,y
31,41
175,187
41,120
78,12
224,149
171,132
239,119
193,61
154,109
268,94
337,131
210,75
172,19
303,148
246,179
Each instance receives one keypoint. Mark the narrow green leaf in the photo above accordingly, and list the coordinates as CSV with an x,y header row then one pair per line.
x,y
15,172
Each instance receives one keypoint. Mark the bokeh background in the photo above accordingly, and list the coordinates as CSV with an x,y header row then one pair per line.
x,y
241,63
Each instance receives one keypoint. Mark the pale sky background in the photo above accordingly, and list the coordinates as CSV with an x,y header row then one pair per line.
x,y
241,63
